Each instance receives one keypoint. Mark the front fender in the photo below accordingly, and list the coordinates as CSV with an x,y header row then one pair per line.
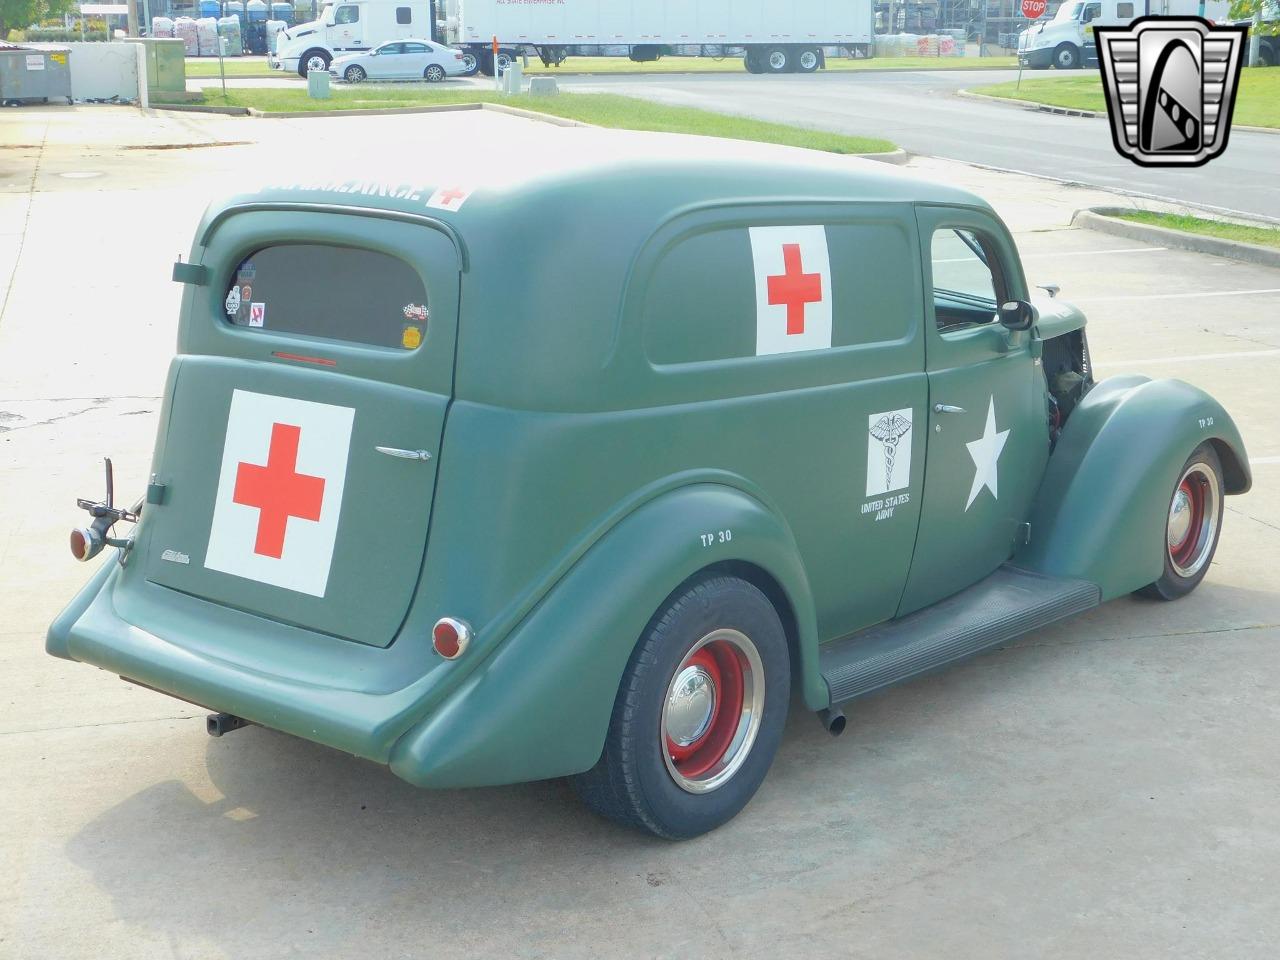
x,y
540,706
1101,510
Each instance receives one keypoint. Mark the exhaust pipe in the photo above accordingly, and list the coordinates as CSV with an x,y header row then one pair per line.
x,y
219,723
833,720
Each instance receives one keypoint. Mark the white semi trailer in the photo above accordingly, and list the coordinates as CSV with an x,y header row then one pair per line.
x,y
773,36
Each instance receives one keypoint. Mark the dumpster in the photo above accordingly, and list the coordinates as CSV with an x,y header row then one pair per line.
x,y
33,76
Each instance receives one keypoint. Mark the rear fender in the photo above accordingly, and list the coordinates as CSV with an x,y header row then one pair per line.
x,y
540,706
1101,510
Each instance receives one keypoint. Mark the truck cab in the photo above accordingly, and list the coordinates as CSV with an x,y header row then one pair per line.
x,y
1061,41
348,26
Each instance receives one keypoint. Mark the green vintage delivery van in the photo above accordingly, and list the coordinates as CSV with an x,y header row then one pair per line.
x,y
600,502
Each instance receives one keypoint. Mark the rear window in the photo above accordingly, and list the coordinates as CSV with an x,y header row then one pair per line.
x,y
339,293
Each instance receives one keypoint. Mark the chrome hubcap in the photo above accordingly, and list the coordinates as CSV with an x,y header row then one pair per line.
x,y
808,60
712,711
316,63
1194,515
777,60
690,705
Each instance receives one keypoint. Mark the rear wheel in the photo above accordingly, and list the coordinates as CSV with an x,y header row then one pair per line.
x,y
354,74
1193,526
808,60
434,73
470,63
698,716
777,60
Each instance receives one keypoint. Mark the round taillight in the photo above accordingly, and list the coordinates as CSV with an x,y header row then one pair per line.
x,y
84,544
450,637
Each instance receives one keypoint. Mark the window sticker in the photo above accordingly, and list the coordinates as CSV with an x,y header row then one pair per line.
x,y
233,302
415,313
412,337
246,294
246,272
257,314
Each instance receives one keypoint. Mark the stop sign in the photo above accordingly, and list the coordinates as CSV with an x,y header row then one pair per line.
x,y
1033,9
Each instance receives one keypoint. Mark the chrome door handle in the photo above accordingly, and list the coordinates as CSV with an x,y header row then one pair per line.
x,y
404,454
947,408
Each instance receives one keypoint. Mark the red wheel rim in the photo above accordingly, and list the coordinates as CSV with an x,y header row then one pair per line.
x,y
714,703
1194,515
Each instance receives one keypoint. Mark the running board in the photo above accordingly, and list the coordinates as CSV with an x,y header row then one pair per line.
x,y
1004,606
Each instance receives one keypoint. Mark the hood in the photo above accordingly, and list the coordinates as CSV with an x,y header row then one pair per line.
x,y
1057,317
301,29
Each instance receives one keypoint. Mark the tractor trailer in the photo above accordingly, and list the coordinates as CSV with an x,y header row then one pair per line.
x,y
778,37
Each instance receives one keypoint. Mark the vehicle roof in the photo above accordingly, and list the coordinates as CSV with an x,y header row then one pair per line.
x,y
614,180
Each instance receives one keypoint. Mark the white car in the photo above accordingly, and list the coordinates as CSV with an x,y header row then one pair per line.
x,y
400,60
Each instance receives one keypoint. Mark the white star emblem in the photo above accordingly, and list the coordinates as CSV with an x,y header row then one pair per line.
x,y
985,452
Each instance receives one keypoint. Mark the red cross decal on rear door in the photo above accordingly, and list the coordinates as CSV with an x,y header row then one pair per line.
x,y
278,490
794,288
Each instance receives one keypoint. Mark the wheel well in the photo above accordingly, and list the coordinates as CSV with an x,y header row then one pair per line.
x,y
1234,474
765,582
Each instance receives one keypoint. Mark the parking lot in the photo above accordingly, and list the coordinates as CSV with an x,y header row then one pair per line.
x,y
1106,787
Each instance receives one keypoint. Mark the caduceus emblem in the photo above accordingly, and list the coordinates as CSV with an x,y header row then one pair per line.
x,y
889,429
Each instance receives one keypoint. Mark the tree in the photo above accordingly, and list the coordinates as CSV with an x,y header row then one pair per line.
x,y
20,14
1244,10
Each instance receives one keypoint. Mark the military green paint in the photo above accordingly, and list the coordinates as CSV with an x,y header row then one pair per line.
x,y
583,470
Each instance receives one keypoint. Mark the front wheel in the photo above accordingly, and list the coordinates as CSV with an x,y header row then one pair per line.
x,y
1193,526
698,716
434,73
1066,57
354,74
313,60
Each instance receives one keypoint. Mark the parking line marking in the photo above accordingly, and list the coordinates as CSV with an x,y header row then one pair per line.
x,y
1259,461
1193,358
1178,296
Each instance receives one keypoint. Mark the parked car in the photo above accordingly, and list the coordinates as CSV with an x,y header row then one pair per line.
x,y
400,60
736,429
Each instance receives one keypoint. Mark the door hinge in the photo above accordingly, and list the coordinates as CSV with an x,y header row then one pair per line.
x,y
1025,532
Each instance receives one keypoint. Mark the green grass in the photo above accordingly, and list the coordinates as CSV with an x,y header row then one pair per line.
x,y
1263,236
257,66
1257,101
601,109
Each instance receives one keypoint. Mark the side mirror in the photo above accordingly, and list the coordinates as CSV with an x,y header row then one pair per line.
x,y
1018,315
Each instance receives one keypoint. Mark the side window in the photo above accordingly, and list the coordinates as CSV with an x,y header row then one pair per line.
x,y
1091,12
967,283
415,48
301,288
1124,11
347,14
388,49
700,301
404,15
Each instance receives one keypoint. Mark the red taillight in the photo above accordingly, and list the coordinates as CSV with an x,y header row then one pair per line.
x,y
85,544
450,637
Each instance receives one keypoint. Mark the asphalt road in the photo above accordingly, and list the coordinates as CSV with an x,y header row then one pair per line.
x,y
918,110
1103,788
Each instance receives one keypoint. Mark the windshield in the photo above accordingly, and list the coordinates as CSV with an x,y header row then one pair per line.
x,y
1069,11
326,13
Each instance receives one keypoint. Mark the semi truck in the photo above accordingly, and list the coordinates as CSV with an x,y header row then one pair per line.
x,y
1061,42
790,37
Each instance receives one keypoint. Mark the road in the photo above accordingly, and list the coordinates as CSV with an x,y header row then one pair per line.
x,y
1102,788
920,112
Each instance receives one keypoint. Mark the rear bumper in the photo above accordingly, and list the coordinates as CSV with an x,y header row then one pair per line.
x,y
302,701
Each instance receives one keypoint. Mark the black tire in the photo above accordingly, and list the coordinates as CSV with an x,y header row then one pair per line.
x,y
637,781
752,62
311,60
777,60
1191,535
354,74
1066,56
470,63
808,60
434,73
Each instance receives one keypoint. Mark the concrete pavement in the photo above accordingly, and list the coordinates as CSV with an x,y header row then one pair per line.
x,y
1103,788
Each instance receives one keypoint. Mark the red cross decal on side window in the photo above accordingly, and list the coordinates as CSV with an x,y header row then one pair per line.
x,y
450,195
278,490
794,288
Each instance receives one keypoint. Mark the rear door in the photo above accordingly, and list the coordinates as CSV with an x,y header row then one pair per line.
x,y
415,60
298,462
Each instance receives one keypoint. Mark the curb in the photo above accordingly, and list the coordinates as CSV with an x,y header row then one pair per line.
x,y
1026,104
1068,112
1096,218
896,157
